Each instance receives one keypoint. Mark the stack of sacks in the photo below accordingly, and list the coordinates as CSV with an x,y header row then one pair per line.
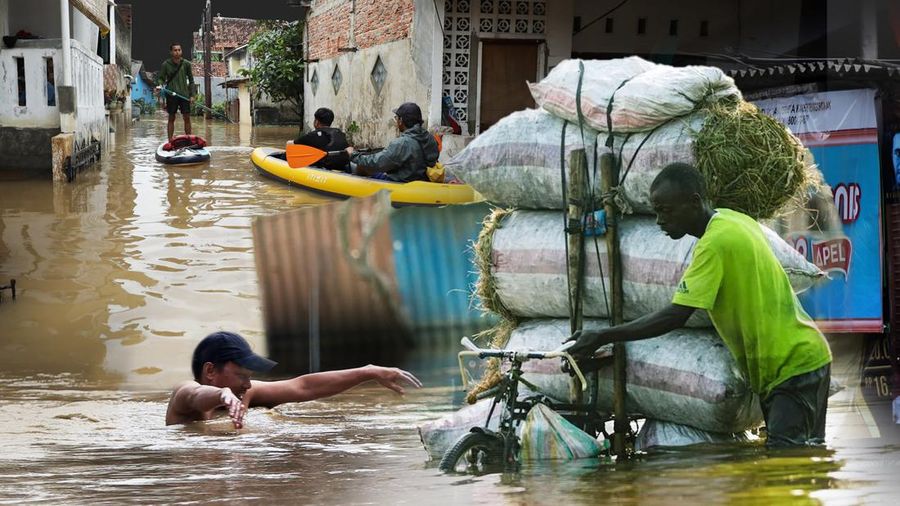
x,y
650,115
660,115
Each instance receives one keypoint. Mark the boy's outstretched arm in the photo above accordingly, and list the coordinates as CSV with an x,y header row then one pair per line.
x,y
325,384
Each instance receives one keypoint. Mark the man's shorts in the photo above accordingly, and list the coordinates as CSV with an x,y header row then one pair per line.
x,y
795,410
173,104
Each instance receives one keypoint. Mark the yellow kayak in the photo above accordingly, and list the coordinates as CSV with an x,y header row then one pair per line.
x,y
270,162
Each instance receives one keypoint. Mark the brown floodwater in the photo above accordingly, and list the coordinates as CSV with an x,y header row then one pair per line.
x,y
121,272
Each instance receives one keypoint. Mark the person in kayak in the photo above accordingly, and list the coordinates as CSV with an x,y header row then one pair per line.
x,y
407,157
329,139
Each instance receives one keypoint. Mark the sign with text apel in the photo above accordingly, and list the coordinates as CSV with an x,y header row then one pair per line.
x,y
840,128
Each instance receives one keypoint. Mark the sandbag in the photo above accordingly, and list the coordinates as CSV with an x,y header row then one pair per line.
x,y
687,376
660,434
527,267
546,435
439,435
630,94
516,162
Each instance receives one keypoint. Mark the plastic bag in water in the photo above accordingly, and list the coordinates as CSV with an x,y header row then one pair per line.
x,y
546,435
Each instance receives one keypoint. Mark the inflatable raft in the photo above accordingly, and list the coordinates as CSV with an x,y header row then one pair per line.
x,y
271,162
183,150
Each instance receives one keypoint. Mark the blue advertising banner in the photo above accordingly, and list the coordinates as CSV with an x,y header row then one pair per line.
x,y
840,129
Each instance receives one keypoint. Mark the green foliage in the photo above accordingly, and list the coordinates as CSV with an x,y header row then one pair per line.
x,y
278,63
145,106
351,131
219,109
199,100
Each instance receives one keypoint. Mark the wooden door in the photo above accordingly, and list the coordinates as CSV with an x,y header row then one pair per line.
x,y
506,65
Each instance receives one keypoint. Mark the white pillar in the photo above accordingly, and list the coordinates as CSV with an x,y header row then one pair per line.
x,y
436,20
66,44
67,122
112,31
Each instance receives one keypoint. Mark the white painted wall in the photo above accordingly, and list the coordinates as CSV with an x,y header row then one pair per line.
x,y
84,30
427,54
36,113
357,100
87,77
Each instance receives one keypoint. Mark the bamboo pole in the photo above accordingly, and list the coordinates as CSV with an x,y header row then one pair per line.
x,y
575,207
609,171
577,190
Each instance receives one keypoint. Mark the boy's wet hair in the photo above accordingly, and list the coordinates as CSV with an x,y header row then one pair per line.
x,y
684,176
324,115
172,45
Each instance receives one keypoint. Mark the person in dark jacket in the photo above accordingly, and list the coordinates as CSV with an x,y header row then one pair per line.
x,y
407,157
327,138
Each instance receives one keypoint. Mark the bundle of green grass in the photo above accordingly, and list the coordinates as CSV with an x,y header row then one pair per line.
x,y
751,162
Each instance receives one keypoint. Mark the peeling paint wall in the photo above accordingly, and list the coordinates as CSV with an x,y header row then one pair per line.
x,y
357,100
405,43
36,113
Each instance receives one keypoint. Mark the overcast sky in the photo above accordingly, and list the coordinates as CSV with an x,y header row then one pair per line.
x,y
158,23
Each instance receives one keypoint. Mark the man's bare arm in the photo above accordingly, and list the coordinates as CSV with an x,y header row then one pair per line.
x,y
667,319
325,384
191,400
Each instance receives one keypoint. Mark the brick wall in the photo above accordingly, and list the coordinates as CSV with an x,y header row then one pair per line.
x,y
377,22
227,34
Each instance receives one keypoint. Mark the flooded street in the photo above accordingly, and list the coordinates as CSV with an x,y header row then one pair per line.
x,y
120,274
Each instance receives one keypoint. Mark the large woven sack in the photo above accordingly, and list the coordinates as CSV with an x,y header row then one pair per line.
x,y
645,154
660,434
517,162
528,267
629,94
687,376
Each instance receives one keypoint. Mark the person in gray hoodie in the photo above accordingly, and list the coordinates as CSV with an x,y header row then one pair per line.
x,y
406,157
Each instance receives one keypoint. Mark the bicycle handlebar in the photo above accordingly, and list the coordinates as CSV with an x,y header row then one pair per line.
x,y
521,356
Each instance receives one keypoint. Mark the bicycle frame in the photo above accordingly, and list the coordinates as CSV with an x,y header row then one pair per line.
x,y
508,390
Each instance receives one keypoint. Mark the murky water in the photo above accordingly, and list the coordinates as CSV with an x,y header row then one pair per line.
x,y
123,271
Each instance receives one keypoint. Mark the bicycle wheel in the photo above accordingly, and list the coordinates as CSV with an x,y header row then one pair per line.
x,y
475,451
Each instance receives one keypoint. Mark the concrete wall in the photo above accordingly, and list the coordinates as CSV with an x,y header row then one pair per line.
x,y
404,34
358,101
87,77
218,92
26,148
36,113
427,44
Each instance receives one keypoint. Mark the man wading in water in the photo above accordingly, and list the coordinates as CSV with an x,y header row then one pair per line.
x,y
223,363
736,278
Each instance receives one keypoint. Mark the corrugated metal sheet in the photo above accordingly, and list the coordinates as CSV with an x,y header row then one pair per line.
x,y
329,295
435,273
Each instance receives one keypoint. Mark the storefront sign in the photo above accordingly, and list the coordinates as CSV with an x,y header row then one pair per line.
x,y
841,130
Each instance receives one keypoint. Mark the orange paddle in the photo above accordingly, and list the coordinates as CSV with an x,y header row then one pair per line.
x,y
299,155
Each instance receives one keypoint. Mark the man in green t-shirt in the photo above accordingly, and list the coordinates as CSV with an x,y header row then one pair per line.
x,y
176,78
736,278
